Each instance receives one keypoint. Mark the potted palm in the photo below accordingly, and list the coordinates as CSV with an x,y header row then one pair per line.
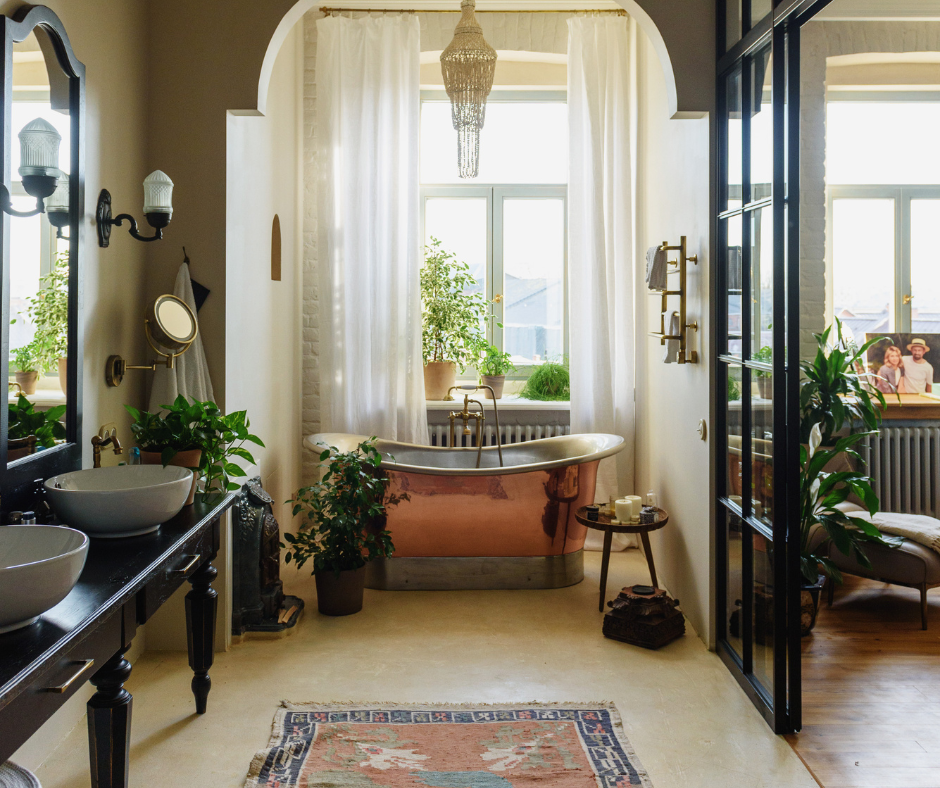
x,y
452,319
343,525
493,368
198,436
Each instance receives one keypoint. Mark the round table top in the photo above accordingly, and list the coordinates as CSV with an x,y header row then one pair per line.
x,y
602,523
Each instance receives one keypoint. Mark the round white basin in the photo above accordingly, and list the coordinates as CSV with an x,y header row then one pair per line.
x,y
128,500
39,565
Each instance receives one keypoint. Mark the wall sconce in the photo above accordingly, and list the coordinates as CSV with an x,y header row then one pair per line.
x,y
57,207
39,165
158,210
170,327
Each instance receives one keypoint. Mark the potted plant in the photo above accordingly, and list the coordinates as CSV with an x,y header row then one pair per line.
x,y
49,312
550,381
195,435
29,427
452,319
764,378
27,361
343,525
493,368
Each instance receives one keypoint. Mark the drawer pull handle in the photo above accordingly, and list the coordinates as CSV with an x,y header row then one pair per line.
x,y
85,664
184,570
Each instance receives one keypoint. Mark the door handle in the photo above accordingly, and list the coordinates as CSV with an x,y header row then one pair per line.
x,y
906,299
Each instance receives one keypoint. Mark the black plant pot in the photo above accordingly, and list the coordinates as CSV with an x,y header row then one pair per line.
x,y
809,605
340,594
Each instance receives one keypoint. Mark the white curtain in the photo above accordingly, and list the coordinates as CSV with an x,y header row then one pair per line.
x,y
368,109
602,155
190,373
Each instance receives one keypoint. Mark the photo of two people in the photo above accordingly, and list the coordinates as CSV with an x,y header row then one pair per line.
x,y
905,363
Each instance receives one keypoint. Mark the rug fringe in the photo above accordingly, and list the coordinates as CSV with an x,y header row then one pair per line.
x,y
290,705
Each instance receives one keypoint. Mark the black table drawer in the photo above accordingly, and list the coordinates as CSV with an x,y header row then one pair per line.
x,y
185,561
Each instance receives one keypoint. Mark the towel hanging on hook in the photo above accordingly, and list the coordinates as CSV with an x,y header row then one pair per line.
x,y
200,291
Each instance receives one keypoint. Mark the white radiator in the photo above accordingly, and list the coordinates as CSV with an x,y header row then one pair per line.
x,y
439,434
904,464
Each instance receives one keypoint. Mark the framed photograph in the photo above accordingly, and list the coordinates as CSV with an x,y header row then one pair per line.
x,y
905,363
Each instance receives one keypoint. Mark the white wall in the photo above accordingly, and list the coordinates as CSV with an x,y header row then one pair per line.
x,y
673,200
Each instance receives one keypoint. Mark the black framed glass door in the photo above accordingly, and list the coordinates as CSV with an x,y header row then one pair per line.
x,y
756,352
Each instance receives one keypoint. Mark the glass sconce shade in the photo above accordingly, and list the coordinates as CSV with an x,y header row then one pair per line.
x,y
158,193
59,201
39,149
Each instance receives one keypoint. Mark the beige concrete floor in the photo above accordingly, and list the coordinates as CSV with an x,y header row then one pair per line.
x,y
689,722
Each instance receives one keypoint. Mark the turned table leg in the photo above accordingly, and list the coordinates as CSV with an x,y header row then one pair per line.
x,y
649,557
605,562
201,607
109,724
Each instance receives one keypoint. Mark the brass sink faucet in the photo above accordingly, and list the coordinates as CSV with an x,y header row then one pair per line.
x,y
105,437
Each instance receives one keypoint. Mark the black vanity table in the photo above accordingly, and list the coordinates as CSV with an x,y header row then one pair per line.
x,y
85,636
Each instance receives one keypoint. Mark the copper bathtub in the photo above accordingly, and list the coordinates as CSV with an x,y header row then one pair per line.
x,y
488,527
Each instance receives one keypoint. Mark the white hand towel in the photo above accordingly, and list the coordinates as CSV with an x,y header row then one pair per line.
x,y
656,267
190,373
671,356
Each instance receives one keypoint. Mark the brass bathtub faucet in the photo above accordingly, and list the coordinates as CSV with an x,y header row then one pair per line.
x,y
466,416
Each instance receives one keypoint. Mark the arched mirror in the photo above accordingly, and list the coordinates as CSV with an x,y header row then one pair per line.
x,y
42,201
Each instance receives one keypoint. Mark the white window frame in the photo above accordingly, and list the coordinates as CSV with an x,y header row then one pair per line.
x,y
900,318
495,195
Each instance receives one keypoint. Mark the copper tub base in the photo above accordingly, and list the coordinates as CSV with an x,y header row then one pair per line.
x,y
484,573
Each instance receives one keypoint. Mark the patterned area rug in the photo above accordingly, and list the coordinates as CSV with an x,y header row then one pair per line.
x,y
405,746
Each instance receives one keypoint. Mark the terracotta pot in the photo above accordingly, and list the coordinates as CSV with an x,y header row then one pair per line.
x,y
183,459
766,388
27,381
64,374
809,605
21,447
340,594
497,382
439,376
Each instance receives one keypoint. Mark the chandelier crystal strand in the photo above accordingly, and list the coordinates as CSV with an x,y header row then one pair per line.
x,y
468,65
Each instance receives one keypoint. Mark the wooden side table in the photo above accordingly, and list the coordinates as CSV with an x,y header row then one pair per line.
x,y
603,523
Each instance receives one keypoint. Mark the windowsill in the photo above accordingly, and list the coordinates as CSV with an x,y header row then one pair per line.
x,y
43,399
507,403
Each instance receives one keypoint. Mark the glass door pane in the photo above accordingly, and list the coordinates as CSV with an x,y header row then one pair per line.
x,y
925,266
533,272
863,264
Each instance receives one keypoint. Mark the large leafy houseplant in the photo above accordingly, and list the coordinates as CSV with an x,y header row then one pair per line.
x,y
46,425
198,425
342,527
453,315
49,312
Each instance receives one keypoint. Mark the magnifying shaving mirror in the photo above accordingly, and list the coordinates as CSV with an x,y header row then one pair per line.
x,y
170,327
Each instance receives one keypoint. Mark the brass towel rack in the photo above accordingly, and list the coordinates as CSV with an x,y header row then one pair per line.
x,y
677,267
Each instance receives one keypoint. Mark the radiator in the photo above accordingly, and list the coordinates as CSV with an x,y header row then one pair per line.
x,y
904,464
439,434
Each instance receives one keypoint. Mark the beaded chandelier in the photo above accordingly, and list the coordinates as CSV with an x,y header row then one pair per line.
x,y
468,65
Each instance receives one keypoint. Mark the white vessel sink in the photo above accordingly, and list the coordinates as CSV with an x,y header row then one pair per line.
x,y
128,500
39,565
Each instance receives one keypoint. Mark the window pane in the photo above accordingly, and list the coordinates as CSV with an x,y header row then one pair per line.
x,y
882,142
459,223
521,142
762,605
735,389
735,582
925,267
863,264
731,190
762,282
762,445
762,127
733,18
760,9
533,279
733,259
25,267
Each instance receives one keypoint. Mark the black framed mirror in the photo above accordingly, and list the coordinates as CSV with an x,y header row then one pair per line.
x,y
41,240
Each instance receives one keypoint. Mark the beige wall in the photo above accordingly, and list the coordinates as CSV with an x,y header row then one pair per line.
x,y
673,200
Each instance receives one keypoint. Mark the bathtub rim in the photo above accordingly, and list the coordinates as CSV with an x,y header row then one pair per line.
x,y
613,444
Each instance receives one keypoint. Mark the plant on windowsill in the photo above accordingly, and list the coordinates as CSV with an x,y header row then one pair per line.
x,y
29,427
452,319
343,525
49,312
195,435
764,378
548,382
28,362
493,368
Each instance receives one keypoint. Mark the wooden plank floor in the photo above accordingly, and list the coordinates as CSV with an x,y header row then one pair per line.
x,y
871,690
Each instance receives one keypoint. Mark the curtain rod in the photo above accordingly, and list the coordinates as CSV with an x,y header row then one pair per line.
x,y
617,11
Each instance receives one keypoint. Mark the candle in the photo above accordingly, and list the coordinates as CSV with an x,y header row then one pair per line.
x,y
636,503
624,510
